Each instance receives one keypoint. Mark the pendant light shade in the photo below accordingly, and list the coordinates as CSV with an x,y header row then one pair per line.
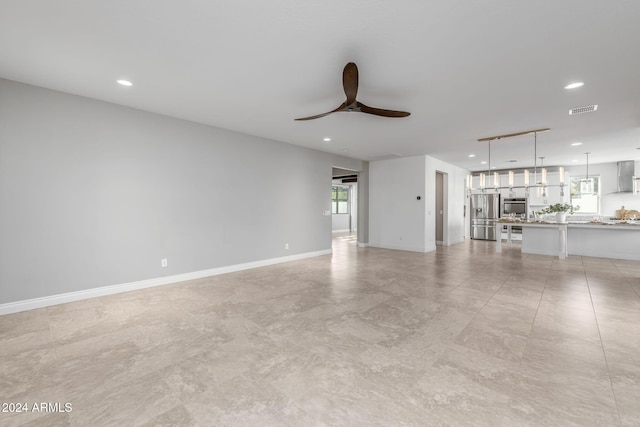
x,y
586,184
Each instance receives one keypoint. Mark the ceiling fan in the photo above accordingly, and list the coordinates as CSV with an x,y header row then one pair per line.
x,y
350,84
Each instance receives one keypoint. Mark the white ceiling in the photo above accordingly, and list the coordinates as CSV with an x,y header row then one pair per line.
x,y
465,69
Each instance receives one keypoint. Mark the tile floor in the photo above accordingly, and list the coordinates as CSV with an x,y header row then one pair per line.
x,y
366,337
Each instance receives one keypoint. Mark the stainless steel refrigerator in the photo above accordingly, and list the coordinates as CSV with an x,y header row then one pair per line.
x,y
485,211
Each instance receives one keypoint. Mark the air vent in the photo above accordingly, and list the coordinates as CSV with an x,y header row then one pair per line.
x,y
582,110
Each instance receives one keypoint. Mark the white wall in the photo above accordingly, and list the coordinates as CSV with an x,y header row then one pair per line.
x,y
340,222
610,201
94,194
397,220
355,189
362,221
456,228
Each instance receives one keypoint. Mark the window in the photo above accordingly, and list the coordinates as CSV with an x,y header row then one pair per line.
x,y
340,199
586,194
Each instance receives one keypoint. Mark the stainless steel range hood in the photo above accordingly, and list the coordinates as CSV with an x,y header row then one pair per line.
x,y
625,176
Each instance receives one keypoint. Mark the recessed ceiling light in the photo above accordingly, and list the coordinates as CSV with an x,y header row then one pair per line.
x,y
574,85
125,82
327,139
576,143
472,155
493,167
483,163
574,161
345,150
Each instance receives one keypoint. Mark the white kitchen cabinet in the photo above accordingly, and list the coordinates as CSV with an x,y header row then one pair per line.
x,y
553,194
535,198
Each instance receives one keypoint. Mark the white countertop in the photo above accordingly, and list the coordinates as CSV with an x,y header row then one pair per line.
x,y
578,224
609,239
607,225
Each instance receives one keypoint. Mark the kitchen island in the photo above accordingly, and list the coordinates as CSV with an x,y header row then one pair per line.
x,y
602,240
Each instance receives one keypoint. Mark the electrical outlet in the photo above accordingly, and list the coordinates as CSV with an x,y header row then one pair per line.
x,y
164,262
286,246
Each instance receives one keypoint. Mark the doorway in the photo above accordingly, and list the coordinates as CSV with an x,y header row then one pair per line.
x,y
440,207
344,201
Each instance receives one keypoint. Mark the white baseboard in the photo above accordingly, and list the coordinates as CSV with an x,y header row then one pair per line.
x,y
403,248
30,304
454,242
341,231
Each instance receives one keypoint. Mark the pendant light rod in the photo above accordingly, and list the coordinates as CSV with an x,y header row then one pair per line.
x,y
509,135
587,164
535,157
588,187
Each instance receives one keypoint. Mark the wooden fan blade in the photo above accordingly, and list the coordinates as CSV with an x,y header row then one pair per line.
x,y
340,108
381,112
350,82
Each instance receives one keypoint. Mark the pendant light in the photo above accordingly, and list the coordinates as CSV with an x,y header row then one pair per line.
x,y
586,184
539,184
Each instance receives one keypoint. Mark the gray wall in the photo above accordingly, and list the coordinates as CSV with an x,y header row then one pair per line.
x,y
95,194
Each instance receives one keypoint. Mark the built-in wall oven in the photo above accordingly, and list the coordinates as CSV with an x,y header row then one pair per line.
x,y
515,207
